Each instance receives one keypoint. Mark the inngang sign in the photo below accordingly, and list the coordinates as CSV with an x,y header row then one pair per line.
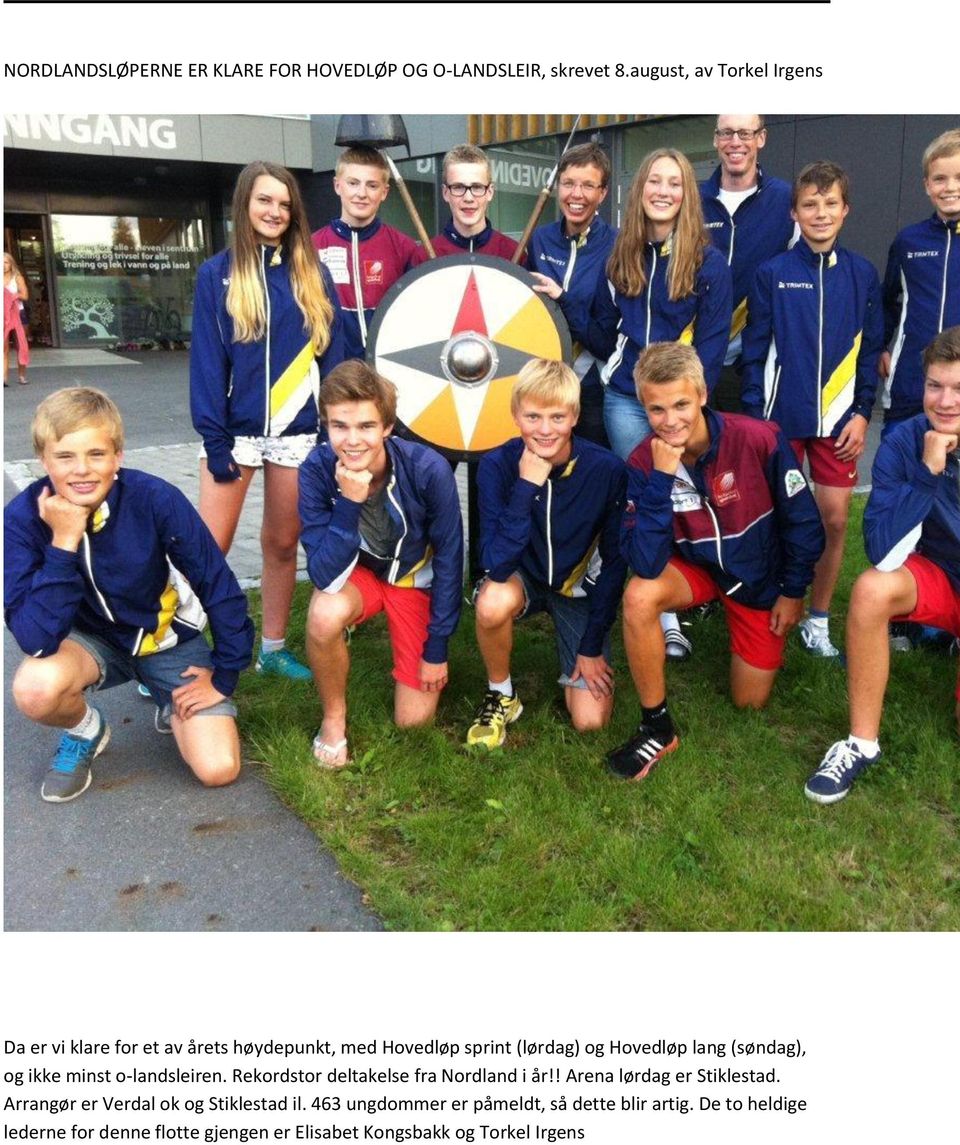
x,y
134,131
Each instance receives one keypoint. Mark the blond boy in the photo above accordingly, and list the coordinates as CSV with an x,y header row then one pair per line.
x,y
550,510
95,563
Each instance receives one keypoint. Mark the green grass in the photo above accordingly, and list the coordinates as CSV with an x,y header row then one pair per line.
x,y
537,836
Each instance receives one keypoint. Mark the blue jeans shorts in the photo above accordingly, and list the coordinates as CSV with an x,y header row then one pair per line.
x,y
159,672
625,420
570,616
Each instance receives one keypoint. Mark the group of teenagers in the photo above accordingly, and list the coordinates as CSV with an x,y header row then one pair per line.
x,y
722,337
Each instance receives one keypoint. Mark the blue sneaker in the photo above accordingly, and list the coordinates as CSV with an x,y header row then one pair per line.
x,y
69,774
836,773
282,663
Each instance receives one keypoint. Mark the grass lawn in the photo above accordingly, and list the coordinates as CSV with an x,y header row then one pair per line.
x,y
537,836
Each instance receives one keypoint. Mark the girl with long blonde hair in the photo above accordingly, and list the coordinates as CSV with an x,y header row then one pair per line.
x,y
665,282
267,329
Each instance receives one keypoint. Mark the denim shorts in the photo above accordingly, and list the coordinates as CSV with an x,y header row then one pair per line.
x,y
159,672
570,616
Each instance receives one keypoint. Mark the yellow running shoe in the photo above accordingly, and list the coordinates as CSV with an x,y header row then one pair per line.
x,y
489,728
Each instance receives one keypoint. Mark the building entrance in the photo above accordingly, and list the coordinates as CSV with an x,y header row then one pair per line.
x,y
23,237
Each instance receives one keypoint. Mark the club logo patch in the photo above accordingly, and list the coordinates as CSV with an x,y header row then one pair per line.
x,y
793,481
372,271
725,488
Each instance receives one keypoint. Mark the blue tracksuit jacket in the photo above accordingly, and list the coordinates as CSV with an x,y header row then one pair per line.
x,y
911,509
621,327
255,389
577,263
563,534
759,228
921,297
424,506
811,343
118,585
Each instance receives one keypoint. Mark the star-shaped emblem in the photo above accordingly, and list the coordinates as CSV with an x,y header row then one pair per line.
x,y
453,339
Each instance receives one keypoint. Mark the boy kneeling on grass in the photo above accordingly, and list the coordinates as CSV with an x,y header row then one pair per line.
x,y
550,509
383,533
95,558
911,530
716,509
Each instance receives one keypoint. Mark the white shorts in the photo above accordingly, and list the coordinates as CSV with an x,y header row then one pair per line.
x,y
290,451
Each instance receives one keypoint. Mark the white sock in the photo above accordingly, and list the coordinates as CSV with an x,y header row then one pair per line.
x,y
869,747
505,687
668,620
89,725
268,646
820,623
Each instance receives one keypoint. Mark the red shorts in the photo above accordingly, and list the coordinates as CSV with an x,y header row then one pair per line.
x,y
825,469
408,614
938,602
750,635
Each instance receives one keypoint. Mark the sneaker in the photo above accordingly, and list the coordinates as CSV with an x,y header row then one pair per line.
x,y
144,692
676,645
489,728
282,663
900,638
161,720
640,755
69,774
817,642
836,773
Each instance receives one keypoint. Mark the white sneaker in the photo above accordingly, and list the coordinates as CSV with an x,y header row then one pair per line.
x,y
816,641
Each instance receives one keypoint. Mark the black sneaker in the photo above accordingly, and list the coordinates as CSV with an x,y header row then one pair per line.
x,y
640,755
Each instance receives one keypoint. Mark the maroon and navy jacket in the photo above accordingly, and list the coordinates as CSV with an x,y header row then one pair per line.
x,y
364,262
743,512
488,241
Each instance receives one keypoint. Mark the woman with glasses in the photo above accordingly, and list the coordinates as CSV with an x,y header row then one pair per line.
x,y
665,282
267,328
568,258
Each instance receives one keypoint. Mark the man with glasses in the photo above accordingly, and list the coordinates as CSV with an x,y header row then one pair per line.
x,y
468,190
568,256
748,216
911,530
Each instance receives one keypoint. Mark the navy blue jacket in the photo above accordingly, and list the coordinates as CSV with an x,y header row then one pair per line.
x,y
744,513
621,327
759,228
921,297
118,585
424,506
577,263
255,389
563,534
910,508
811,344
